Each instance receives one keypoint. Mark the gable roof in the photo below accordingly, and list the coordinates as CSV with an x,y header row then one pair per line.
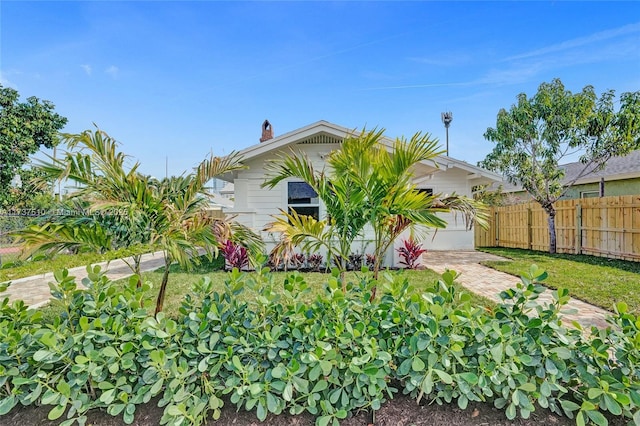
x,y
624,167
325,132
616,168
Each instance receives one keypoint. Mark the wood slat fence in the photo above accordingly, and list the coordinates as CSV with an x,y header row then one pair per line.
x,y
607,227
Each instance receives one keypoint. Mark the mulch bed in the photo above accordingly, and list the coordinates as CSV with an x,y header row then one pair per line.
x,y
401,411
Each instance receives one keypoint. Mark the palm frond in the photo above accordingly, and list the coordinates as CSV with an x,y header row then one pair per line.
x,y
297,165
301,231
472,211
53,238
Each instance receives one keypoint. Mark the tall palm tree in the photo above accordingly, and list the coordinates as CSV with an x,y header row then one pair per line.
x,y
170,210
366,182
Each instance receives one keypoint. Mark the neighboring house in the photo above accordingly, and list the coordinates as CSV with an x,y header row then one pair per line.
x,y
216,185
620,176
255,206
228,191
218,200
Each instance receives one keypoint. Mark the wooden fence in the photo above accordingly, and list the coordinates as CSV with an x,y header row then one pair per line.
x,y
607,226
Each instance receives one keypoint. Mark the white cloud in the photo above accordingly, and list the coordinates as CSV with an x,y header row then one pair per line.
x,y
86,68
446,60
581,41
5,82
417,86
112,71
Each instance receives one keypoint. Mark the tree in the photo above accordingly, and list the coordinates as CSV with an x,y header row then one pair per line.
x,y
25,202
537,133
24,128
169,212
367,183
98,170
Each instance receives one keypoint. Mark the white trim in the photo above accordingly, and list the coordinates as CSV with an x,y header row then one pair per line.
x,y
594,194
340,132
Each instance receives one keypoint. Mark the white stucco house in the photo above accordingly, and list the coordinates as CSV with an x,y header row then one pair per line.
x,y
255,206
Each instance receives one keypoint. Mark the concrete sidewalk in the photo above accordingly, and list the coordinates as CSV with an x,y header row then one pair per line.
x,y
35,290
489,283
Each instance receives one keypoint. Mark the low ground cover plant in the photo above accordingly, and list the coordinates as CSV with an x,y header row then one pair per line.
x,y
273,351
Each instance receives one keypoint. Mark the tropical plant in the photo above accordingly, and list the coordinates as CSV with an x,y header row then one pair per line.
x,y
355,261
315,261
370,260
534,136
368,181
297,260
410,252
74,227
168,212
235,255
229,230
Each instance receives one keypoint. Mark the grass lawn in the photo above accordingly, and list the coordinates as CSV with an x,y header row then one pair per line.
x,y
15,267
597,280
180,283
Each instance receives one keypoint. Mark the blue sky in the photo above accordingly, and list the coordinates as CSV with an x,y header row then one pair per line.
x,y
181,79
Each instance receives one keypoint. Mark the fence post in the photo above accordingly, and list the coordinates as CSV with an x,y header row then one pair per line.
x,y
496,231
529,228
578,229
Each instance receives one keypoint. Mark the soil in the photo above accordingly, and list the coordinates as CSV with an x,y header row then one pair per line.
x,y
401,411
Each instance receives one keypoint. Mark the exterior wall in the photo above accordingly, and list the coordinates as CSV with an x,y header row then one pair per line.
x,y
255,206
611,188
455,236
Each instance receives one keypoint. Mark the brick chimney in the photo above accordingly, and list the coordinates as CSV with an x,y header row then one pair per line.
x,y
267,131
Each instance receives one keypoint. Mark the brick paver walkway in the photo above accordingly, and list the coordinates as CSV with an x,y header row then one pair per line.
x,y
35,290
489,283
9,250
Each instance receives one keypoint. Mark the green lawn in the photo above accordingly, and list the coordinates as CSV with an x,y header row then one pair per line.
x,y
13,267
180,283
600,281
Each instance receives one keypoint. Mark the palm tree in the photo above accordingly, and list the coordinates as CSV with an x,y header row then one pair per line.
x,y
366,182
171,211
102,185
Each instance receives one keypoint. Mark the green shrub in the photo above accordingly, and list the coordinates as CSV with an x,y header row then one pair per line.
x,y
270,351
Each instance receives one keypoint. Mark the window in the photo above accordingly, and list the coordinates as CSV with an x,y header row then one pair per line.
x,y
303,199
589,194
427,191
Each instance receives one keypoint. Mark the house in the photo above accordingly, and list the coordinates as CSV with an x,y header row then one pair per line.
x,y
255,206
620,176
227,191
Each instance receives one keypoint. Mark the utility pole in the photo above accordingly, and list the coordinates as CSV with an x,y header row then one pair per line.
x,y
447,118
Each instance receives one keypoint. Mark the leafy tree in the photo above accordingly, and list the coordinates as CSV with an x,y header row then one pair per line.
x,y
367,183
27,195
26,202
24,128
537,133
491,197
